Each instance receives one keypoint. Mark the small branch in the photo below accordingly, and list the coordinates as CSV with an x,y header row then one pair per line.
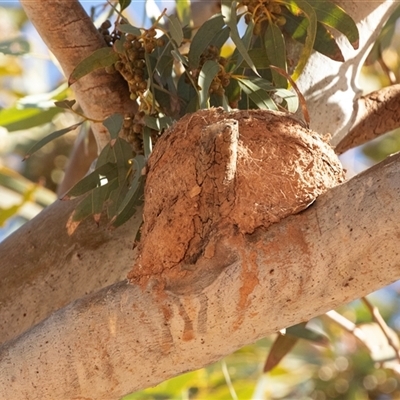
x,y
71,36
377,317
378,113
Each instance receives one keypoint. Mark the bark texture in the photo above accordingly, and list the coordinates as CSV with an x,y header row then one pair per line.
x,y
44,267
71,36
127,337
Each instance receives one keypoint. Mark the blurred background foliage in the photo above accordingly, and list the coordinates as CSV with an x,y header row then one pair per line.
x,y
344,367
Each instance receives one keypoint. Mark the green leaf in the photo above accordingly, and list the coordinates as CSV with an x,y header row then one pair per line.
x,y
385,38
123,155
91,181
283,345
158,124
128,28
100,196
203,37
134,196
175,29
124,4
324,43
237,58
276,53
297,7
14,47
84,209
114,124
335,17
183,11
107,155
66,104
147,143
49,138
259,96
15,119
229,10
291,99
208,72
100,58
300,331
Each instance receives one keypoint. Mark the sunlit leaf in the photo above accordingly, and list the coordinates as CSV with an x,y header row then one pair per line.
x,y
335,17
229,10
384,39
276,53
237,58
183,11
38,145
324,43
93,180
203,38
14,119
208,72
114,124
100,58
292,100
283,345
100,196
175,29
298,7
14,47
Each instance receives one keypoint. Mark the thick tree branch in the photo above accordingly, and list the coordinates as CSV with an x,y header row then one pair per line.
x,y
378,113
39,275
70,34
125,338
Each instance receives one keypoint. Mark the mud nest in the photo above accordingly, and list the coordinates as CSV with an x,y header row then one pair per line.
x,y
215,174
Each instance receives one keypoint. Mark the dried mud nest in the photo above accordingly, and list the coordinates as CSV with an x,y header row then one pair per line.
x,y
215,174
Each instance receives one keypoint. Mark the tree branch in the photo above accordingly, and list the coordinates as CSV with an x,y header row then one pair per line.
x,y
39,276
125,338
378,113
71,36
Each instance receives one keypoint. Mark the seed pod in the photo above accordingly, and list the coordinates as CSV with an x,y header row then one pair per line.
x,y
106,24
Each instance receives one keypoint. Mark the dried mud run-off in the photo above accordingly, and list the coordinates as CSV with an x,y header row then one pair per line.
x,y
215,177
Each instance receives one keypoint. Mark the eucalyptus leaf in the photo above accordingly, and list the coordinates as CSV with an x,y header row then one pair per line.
x,y
84,209
123,153
38,145
208,72
298,7
16,119
100,58
282,345
229,9
203,37
276,52
128,28
91,181
259,96
237,58
114,124
335,17
124,4
324,43
183,11
175,29
15,47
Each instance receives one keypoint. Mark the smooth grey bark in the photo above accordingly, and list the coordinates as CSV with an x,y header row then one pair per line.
x,y
125,338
